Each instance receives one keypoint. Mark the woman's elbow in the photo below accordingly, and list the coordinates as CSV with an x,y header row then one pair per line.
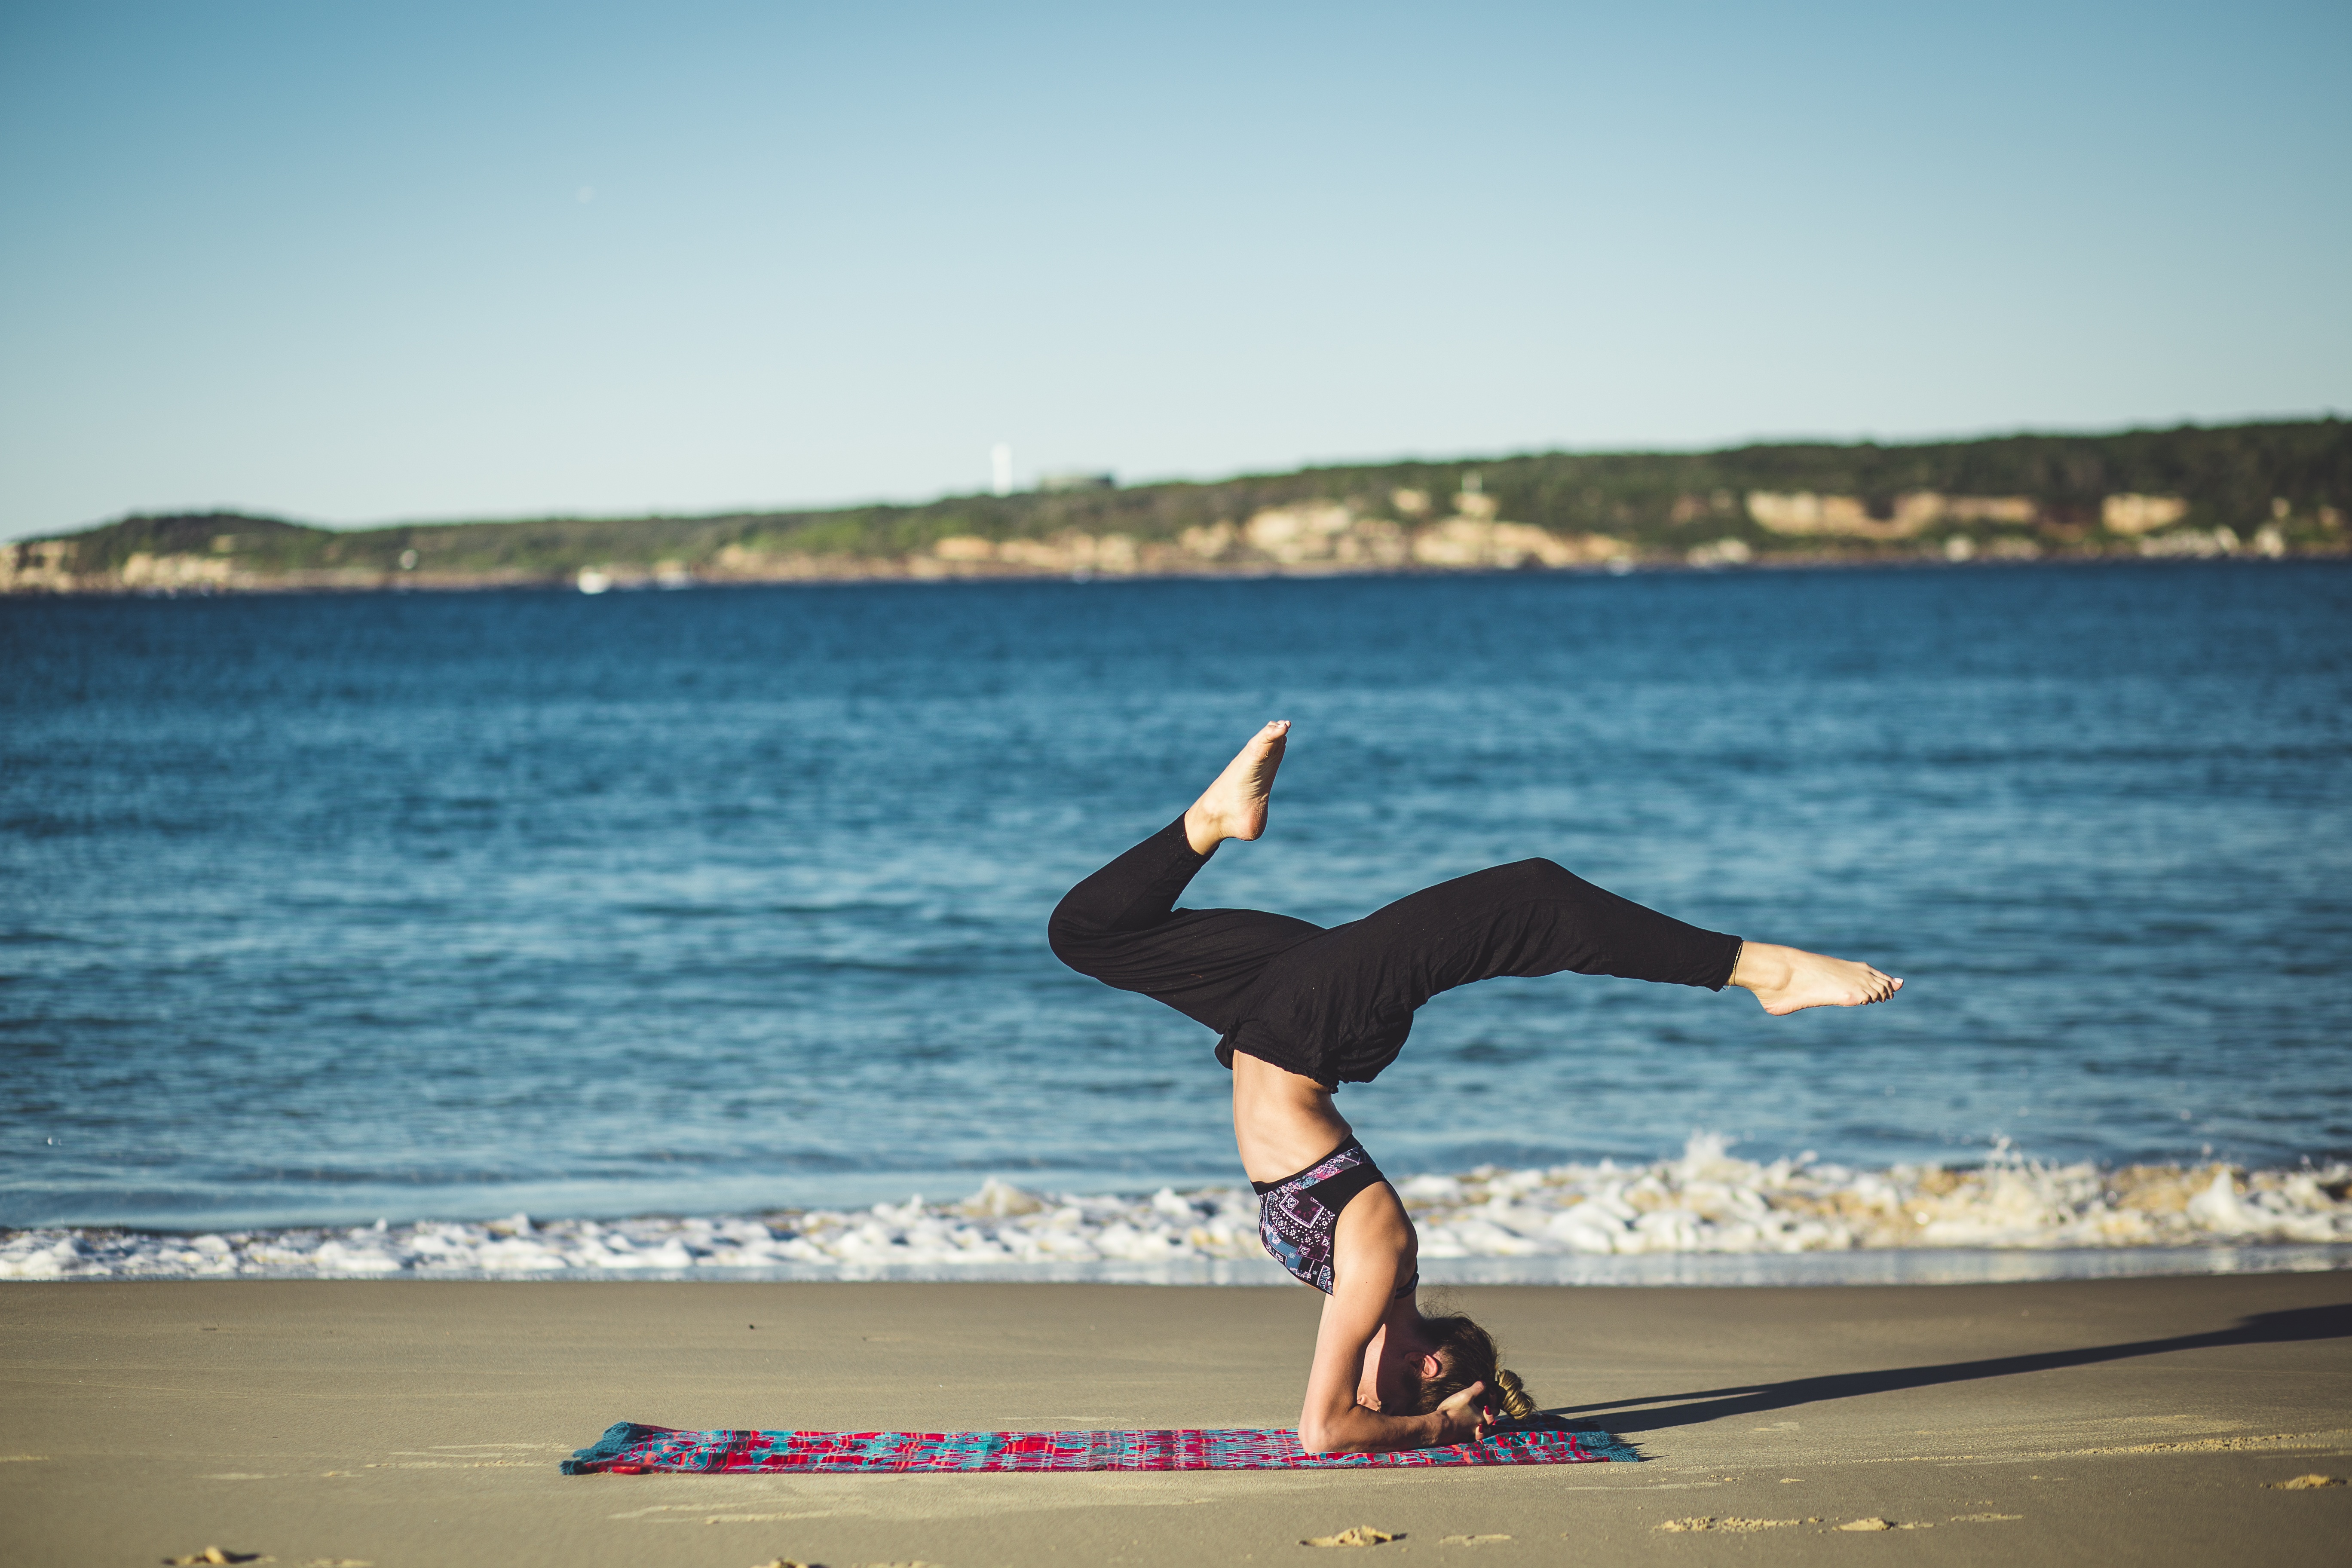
x,y
1318,1434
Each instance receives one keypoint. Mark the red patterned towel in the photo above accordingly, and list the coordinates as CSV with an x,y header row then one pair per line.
x,y
628,1448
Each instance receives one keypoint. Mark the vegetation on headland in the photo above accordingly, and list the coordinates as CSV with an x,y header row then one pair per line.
x,y
2268,488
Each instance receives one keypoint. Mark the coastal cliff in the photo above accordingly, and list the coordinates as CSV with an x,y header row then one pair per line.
x,y
2270,489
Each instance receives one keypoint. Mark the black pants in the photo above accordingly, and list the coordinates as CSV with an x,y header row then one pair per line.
x,y
1337,1004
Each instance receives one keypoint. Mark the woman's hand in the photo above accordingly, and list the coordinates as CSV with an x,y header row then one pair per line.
x,y
1460,1419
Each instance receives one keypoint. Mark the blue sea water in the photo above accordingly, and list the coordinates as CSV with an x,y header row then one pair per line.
x,y
321,908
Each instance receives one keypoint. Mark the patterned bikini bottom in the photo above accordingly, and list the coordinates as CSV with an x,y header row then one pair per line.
x,y
1298,1214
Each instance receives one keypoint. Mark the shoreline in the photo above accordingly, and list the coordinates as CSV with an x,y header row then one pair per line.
x,y
1705,1217
1921,1267
853,572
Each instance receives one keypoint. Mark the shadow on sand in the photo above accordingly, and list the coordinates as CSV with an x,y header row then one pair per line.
x,y
2303,1323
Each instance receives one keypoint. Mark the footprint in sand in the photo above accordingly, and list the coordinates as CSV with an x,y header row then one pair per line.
x,y
1357,1535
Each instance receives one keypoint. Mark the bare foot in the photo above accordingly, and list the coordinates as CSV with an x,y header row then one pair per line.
x,y
1234,806
1790,980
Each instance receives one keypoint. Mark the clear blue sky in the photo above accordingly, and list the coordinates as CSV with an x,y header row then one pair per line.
x,y
369,263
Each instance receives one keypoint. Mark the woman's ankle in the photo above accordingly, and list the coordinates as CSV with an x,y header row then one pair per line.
x,y
1762,966
1201,831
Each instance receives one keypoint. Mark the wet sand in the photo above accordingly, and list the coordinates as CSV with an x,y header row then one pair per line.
x,y
399,1423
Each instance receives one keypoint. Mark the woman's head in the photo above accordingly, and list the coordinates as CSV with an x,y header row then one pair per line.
x,y
1466,1355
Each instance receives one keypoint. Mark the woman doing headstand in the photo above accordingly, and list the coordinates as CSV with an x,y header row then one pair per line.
x,y
1300,1010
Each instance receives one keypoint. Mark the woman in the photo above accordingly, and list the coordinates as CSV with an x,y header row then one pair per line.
x,y
1302,1010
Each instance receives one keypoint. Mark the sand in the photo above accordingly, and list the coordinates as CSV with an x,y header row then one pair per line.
x,y
399,1423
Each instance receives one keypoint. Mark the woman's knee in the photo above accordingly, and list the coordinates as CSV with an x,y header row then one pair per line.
x,y
1071,932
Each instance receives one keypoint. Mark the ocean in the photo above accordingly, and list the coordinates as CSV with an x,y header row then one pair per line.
x,y
500,916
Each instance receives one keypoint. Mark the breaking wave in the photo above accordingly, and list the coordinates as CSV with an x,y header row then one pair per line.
x,y
1485,1225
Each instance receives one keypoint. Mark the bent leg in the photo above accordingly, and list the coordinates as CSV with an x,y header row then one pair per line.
x,y
1133,893
1120,925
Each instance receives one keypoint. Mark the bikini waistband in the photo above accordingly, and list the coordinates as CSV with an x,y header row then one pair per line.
x,y
1261,1188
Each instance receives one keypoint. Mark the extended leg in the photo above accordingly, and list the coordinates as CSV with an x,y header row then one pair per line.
x,y
1339,1007
1532,918
1537,918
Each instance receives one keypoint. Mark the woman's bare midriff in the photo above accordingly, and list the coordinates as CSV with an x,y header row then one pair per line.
x,y
1283,1121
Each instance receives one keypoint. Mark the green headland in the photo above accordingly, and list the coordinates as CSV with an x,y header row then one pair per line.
x,y
2276,489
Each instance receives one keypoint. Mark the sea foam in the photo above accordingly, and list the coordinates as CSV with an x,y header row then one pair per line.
x,y
1490,1224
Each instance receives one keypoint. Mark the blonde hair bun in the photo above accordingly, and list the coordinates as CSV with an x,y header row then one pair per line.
x,y
1466,1354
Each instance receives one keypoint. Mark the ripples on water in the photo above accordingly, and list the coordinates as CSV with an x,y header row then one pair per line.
x,y
326,908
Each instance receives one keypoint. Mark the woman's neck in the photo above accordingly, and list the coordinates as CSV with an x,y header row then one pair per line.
x,y
1392,1361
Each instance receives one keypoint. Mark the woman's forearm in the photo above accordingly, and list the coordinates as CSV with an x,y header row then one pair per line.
x,y
1360,1430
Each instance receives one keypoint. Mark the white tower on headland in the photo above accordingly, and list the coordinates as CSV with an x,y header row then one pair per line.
x,y
1000,458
